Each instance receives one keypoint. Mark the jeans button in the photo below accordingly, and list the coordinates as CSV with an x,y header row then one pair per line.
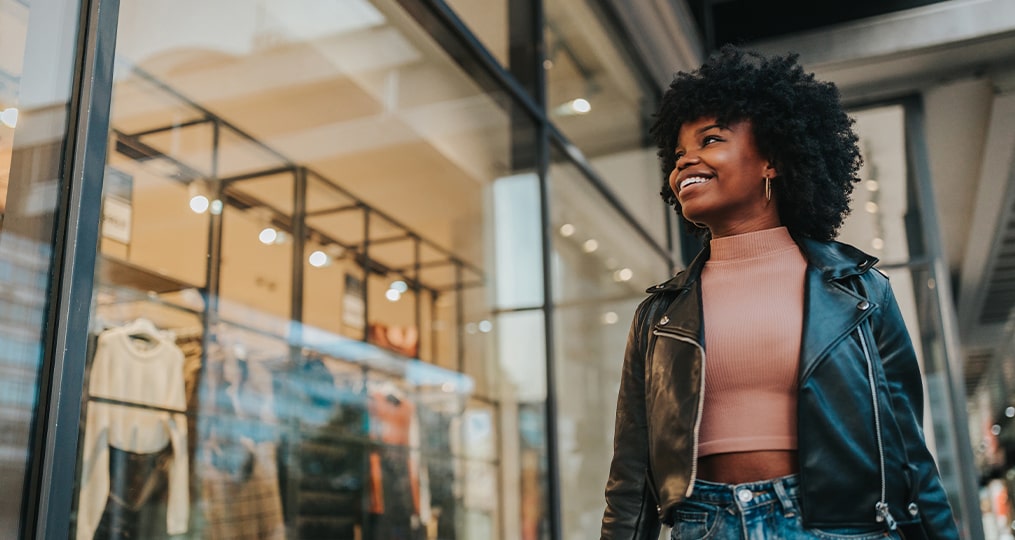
x,y
745,495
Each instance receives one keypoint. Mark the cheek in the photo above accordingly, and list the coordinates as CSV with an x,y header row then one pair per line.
x,y
673,182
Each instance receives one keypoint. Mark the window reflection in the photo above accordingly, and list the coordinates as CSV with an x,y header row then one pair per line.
x,y
35,87
294,203
601,269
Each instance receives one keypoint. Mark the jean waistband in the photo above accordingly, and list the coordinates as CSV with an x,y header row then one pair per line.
x,y
752,494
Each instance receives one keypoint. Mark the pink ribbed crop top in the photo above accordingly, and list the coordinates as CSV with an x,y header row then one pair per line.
x,y
752,299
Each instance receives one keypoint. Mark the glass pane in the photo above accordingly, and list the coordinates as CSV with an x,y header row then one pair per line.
x,y
304,192
877,223
488,20
601,270
597,102
35,89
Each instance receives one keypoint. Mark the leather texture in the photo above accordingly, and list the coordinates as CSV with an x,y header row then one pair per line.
x,y
840,462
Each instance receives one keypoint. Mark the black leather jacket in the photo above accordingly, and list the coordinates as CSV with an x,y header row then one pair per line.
x,y
860,405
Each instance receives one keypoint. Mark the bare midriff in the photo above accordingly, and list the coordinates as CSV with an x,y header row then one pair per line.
x,y
744,467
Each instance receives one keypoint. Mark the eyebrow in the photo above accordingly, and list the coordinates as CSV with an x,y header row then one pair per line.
x,y
701,130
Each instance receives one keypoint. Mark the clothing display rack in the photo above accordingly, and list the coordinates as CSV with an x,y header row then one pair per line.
x,y
322,458
295,420
146,145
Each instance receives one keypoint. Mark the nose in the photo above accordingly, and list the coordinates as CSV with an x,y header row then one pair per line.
x,y
685,160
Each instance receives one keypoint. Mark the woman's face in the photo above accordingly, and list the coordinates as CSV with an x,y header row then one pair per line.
x,y
719,178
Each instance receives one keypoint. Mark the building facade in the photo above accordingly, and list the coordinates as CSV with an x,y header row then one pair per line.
x,y
365,268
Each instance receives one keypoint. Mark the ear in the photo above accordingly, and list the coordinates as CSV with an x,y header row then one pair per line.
x,y
770,171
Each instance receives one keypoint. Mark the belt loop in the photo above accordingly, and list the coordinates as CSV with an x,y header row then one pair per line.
x,y
787,503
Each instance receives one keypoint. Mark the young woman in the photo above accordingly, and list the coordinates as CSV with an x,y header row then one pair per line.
x,y
770,390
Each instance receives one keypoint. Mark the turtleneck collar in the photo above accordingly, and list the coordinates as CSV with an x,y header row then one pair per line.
x,y
750,245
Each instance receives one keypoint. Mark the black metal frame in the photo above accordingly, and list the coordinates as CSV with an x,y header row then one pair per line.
x,y
50,479
943,318
135,146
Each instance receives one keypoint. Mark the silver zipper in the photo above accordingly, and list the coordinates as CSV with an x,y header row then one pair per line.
x,y
881,511
701,404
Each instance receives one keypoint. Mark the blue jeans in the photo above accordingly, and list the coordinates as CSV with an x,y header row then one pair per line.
x,y
767,510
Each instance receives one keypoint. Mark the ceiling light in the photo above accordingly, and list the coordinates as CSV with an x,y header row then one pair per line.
x,y
1010,412
610,317
871,207
9,117
624,274
872,185
199,204
268,235
399,286
216,207
581,106
590,245
392,295
995,429
566,230
198,197
877,243
319,259
485,326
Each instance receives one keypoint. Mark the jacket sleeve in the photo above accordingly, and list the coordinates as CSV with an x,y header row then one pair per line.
x,y
905,384
630,504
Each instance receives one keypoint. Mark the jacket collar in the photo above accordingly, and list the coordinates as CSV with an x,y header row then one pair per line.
x,y
831,308
833,260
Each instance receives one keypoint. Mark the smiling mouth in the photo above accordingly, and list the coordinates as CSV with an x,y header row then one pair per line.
x,y
692,181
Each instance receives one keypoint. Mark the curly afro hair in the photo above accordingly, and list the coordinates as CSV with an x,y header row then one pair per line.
x,y
798,124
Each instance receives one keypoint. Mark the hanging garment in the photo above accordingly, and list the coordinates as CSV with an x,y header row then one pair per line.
x,y
140,370
243,503
238,452
397,506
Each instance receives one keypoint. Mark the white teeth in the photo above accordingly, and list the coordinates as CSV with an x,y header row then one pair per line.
x,y
692,180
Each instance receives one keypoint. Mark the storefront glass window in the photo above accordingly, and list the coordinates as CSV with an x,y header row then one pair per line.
x,y
881,225
488,20
294,333
601,268
597,102
37,48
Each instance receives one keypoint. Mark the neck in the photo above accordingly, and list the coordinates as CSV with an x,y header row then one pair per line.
x,y
758,224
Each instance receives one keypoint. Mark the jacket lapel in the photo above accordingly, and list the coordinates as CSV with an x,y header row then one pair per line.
x,y
683,315
830,312
831,308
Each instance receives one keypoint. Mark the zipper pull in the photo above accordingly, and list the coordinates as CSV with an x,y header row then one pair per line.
x,y
884,516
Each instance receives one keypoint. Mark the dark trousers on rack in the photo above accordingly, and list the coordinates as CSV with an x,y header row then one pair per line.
x,y
138,495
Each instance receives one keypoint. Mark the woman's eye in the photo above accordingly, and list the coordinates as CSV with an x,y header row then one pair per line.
x,y
709,140
677,156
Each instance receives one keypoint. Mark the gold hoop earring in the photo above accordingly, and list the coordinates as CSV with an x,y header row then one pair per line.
x,y
768,188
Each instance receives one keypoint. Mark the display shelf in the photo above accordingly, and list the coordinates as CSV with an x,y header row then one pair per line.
x,y
121,273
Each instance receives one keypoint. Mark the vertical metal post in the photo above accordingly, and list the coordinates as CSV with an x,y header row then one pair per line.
x,y
299,232
212,270
527,53
972,525
51,478
216,136
433,326
417,292
459,318
366,273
